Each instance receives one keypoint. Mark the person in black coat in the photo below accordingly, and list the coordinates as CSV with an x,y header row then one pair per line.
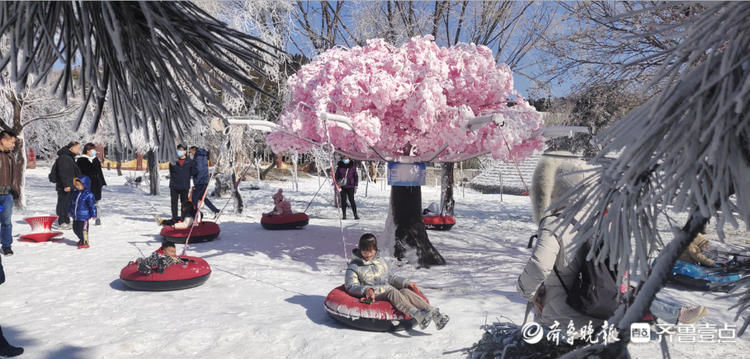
x,y
179,179
90,166
66,170
348,180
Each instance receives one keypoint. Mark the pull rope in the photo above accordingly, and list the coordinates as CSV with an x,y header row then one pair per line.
x,y
337,191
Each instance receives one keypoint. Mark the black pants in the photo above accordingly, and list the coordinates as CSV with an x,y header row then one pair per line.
x,y
63,202
81,229
182,195
348,192
198,191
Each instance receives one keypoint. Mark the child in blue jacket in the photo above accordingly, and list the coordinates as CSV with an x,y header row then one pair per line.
x,y
82,208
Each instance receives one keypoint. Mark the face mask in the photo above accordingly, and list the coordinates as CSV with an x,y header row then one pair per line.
x,y
93,153
180,153
346,162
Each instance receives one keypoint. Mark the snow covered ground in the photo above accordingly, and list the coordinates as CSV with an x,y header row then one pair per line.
x,y
265,296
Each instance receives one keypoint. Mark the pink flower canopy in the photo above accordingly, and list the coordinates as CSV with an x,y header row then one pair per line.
x,y
410,100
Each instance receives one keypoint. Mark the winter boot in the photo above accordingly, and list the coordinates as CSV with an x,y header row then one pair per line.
x,y
85,244
423,317
691,314
355,215
440,319
343,213
7,350
7,251
80,244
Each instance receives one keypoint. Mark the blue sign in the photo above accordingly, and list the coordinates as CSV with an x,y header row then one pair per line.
x,y
406,174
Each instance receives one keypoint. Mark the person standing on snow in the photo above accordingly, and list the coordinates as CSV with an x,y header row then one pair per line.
x,y
10,187
82,208
348,180
90,166
179,180
64,171
201,177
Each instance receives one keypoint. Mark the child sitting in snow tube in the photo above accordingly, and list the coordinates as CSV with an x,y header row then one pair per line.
x,y
282,216
433,220
368,278
164,270
691,269
177,230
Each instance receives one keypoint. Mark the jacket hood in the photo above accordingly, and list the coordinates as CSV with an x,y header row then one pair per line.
x,y
65,151
201,152
357,257
86,182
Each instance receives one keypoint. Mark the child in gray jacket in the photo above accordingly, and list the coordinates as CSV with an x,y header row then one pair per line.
x,y
368,277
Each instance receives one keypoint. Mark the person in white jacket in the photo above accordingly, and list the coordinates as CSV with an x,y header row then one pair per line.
x,y
554,248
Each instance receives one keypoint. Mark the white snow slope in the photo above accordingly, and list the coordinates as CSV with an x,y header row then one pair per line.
x,y
265,296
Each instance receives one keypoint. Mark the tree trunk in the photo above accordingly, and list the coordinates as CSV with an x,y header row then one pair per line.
x,y
139,162
238,204
20,171
446,189
153,173
406,207
118,159
265,171
20,151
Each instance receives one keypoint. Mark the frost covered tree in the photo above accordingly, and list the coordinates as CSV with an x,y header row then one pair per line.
x,y
26,110
596,107
150,60
686,148
598,42
412,103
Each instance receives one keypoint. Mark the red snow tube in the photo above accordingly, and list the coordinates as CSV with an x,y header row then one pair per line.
x,y
203,232
285,221
440,223
177,276
380,316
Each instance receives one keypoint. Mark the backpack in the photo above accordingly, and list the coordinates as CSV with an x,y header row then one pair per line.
x,y
53,173
595,291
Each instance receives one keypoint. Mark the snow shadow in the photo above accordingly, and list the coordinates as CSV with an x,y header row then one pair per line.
x,y
307,245
68,352
313,305
17,338
117,285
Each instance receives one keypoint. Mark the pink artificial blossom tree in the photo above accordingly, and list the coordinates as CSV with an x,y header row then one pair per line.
x,y
412,103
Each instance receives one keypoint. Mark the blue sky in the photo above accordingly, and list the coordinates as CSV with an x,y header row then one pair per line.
x,y
522,83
